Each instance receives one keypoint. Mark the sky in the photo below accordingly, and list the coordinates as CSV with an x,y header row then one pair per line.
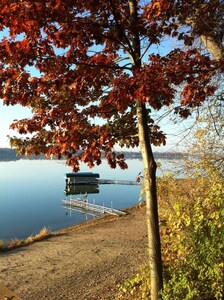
x,y
10,113
7,115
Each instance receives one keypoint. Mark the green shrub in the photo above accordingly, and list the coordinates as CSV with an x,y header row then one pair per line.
x,y
193,243
192,215
136,288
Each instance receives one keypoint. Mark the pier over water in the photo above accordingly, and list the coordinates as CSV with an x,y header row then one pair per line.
x,y
88,178
89,182
114,181
92,208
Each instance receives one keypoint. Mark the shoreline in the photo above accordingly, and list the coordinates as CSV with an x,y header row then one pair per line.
x,y
62,230
91,222
83,261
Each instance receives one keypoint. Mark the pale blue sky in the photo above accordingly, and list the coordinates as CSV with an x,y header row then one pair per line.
x,y
9,113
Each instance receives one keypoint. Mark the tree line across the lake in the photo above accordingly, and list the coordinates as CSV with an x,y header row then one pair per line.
x,y
8,154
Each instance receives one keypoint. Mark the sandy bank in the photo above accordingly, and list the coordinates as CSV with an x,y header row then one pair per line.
x,y
84,261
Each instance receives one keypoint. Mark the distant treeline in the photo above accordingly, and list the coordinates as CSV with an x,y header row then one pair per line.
x,y
7,154
157,155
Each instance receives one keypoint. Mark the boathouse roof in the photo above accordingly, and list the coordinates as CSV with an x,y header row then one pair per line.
x,y
82,175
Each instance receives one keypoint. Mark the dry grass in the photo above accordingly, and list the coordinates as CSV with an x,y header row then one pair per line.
x,y
1,244
16,243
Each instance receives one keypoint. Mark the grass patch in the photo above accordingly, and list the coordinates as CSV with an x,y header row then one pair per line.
x,y
16,243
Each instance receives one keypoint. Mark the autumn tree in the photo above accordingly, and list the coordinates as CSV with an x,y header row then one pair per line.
x,y
89,74
202,19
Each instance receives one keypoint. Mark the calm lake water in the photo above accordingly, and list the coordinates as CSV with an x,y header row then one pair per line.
x,y
31,194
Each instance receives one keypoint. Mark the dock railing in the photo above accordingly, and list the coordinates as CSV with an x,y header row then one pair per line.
x,y
74,203
115,181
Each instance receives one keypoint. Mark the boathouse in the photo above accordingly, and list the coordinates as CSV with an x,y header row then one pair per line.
x,y
81,178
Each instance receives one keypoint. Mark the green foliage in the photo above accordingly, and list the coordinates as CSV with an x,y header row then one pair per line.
x,y
193,239
191,222
136,287
193,236
130,286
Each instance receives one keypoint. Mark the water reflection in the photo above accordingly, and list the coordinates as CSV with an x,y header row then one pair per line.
x,y
78,189
82,203
83,191
31,193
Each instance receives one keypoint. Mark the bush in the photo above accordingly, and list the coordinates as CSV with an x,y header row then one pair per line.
x,y
193,238
191,217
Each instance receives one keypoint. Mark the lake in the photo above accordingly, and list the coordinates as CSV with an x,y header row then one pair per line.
x,y
31,194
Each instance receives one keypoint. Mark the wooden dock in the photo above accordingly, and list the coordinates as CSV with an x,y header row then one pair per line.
x,y
80,210
114,181
88,207
85,178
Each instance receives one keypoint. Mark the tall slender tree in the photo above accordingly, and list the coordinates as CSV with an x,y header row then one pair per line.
x,y
97,83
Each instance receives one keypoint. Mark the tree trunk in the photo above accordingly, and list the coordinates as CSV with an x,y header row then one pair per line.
x,y
207,35
154,246
213,47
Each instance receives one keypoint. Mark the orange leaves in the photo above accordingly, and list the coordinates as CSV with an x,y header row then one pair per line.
x,y
4,41
73,85
195,94
14,6
25,44
57,4
6,86
157,8
7,48
84,94
63,148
